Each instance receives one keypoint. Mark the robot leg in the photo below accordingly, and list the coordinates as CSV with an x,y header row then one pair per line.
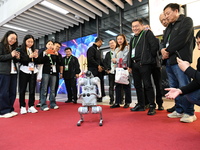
x,y
98,109
82,110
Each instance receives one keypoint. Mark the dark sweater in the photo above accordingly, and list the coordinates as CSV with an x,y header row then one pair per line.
x,y
195,75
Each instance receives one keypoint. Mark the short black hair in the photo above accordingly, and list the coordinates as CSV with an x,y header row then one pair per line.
x,y
112,40
139,20
98,39
56,42
198,34
173,6
68,48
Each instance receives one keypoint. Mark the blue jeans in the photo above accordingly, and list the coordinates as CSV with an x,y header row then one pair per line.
x,y
51,79
177,79
194,97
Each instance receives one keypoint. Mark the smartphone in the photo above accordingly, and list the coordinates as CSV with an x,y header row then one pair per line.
x,y
178,55
18,49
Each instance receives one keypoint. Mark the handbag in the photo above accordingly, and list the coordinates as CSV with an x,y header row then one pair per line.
x,y
121,76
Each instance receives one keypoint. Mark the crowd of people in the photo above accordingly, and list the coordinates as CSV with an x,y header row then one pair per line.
x,y
143,57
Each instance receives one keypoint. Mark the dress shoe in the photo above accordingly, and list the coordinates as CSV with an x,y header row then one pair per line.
x,y
160,107
151,111
122,102
115,106
126,106
171,109
137,108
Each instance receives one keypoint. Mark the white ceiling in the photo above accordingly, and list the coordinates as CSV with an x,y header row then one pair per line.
x,y
40,20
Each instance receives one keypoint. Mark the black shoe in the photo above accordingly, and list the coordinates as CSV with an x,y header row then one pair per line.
x,y
146,106
68,101
160,107
99,99
171,109
111,102
151,111
75,101
38,105
126,106
115,106
137,108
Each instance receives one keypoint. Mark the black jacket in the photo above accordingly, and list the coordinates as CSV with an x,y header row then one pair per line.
x,y
73,67
147,47
5,60
24,58
195,75
47,69
94,57
181,39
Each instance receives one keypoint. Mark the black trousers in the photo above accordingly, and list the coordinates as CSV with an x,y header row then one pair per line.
x,y
111,78
57,84
143,84
156,73
118,93
71,88
8,85
25,79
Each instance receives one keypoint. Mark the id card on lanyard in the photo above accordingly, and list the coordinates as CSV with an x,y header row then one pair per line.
x,y
134,46
67,63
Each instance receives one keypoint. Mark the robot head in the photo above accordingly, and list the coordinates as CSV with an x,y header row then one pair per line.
x,y
89,74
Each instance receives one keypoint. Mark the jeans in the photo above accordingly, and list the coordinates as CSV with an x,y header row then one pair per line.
x,y
177,79
51,79
194,97
8,85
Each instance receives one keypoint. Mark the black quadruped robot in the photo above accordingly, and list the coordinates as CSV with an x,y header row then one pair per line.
x,y
88,87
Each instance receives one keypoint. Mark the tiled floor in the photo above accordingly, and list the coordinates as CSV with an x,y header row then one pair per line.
x,y
167,103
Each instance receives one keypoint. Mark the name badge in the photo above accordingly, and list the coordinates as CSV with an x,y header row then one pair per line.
x,y
133,53
31,66
54,68
66,67
167,44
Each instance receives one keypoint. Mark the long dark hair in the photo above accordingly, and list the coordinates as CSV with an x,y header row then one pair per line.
x,y
5,41
23,47
125,42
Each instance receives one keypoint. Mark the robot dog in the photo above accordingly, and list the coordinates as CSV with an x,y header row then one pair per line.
x,y
88,89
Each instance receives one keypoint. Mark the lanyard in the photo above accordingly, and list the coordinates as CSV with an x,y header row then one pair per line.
x,y
168,38
137,40
68,60
51,61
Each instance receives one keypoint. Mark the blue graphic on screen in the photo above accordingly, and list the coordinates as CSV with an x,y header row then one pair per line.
x,y
79,48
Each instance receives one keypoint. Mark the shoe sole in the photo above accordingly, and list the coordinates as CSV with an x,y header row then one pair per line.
x,y
32,112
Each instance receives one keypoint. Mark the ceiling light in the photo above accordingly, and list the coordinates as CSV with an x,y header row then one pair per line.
x,y
14,27
111,33
54,7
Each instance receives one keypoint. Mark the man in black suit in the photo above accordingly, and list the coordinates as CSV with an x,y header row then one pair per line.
x,y
95,64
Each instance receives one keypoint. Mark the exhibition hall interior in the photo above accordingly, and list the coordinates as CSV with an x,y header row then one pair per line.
x,y
77,24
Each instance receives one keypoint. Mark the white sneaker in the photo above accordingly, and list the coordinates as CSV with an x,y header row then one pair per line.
x,y
174,114
23,110
14,113
187,118
32,109
56,107
46,109
7,115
